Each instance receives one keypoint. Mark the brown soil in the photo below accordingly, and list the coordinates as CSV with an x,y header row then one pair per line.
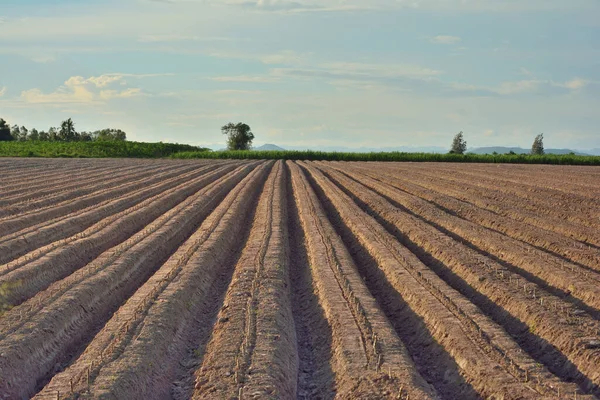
x,y
157,279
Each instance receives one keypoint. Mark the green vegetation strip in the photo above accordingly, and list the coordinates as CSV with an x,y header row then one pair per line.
x,y
108,149
566,159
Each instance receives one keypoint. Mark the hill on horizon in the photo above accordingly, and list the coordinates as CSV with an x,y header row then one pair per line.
x,y
424,149
520,150
268,147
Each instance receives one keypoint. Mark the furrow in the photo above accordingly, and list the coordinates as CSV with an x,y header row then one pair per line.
x,y
368,357
490,360
83,188
557,245
15,225
61,328
136,354
574,209
253,345
544,324
552,220
68,255
79,221
560,274
65,184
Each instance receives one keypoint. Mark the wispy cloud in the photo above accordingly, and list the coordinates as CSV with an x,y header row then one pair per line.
x,y
445,39
80,90
184,38
526,86
245,79
2,91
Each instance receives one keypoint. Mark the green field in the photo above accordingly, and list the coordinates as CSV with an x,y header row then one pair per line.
x,y
108,149
124,149
566,159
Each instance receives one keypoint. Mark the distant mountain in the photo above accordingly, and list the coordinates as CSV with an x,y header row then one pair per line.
x,y
519,150
364,149
594,152
268,147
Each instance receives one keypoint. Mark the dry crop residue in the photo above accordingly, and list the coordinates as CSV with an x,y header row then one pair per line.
x,y
153,279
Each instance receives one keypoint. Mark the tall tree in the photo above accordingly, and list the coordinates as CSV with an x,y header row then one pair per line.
x,y
5,135
67,132
459,145
538,145
239,136
34,135
44,136
53,134
15,131
24,134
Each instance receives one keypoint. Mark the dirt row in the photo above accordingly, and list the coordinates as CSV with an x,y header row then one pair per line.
x,y
562,275
253,344
542,181
574,334
272,279
550,176
33,272
367,355
36,236
63,317
580,210
20,172
67,169
487,358
137,353
52,196
555,219
33,190
555,243
14,223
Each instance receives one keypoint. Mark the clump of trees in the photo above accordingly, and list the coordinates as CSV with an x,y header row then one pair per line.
x,y
459,144
65,133
239,136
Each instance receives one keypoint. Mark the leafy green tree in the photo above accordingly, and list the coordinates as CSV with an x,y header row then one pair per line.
x,y
538,145
5,135
44,136
15,131
459,145
85,137
24,134
34,135
53,135
239,136
67,132
110,135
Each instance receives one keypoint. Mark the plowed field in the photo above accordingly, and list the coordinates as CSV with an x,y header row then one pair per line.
x,y
164,279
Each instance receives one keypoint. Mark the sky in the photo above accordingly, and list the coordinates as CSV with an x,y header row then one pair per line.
x,y
307,73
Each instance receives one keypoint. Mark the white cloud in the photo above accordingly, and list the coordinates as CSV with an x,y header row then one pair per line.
x,y
2,91
445,39
185,38
285,57
574,84
526,72
245,79
125,94
518,86
78,89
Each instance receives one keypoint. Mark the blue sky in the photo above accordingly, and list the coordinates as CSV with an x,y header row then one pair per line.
x,y
307,73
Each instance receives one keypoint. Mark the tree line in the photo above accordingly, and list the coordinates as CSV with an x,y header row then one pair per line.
x,y
65,133
459,145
